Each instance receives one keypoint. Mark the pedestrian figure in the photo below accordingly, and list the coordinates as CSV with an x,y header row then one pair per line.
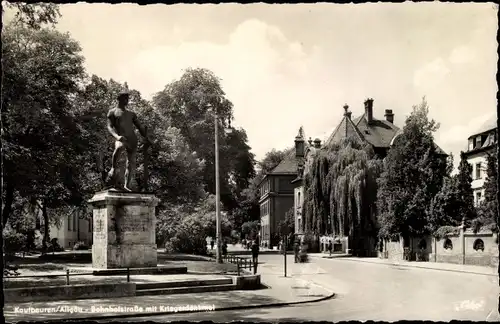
x,y
224,248
330,247
255,256
212,243
296,251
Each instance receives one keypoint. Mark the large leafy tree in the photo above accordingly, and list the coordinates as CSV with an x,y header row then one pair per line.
x,y
455,200
34,16
413,175
340,191
189,105
42,73
488,210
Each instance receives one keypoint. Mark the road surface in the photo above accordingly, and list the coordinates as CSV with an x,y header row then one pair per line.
x,y
367,291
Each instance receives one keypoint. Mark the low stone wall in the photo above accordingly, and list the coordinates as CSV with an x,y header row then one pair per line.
x,y
447,258
464,247
248,282
482,260
70,292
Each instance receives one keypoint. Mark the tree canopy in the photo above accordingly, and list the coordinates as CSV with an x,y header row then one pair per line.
x,y
413,175
340,190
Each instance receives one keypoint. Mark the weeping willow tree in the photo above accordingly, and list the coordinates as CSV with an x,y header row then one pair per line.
x,y
340,191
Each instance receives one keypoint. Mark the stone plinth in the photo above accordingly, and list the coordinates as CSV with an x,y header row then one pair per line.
x,y
124,230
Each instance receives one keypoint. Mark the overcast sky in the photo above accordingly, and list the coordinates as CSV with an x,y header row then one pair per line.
x,y
284,66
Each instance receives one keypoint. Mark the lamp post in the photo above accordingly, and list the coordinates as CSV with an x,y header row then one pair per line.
x,y
218,234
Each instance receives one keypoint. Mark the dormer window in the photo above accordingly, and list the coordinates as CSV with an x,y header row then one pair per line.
x,y
478,142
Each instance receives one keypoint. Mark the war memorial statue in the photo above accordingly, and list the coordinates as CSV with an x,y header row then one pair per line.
x,y
121,124
124,218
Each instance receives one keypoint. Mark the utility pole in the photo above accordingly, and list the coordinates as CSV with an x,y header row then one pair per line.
x,y
284,249
217,189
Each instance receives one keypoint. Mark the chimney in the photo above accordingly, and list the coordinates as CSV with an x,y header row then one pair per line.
x,y
317,143
389,116
299,144
369,110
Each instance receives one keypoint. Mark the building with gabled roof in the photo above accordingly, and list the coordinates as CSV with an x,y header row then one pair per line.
x,y
480,145
380,133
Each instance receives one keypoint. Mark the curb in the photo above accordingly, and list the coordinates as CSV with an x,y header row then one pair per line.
x,y
423,267
230,308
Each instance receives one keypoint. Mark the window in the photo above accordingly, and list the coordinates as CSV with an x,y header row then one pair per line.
x,y
298,199
478,170
299,225
478,245
478,142
70,222
471,145
478,198
448,245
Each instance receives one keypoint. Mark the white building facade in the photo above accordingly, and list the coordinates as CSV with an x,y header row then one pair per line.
x,y
480,145
71,230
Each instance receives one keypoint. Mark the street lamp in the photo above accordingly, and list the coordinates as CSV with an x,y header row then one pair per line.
x,y
217,182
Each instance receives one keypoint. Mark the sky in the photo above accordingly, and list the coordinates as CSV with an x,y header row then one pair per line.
x,y
286,66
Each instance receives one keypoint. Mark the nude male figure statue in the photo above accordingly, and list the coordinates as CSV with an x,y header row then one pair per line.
x,y
121,124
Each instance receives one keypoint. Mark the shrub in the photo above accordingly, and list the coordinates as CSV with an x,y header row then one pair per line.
x,y
13,241
445,231
311,241
79,246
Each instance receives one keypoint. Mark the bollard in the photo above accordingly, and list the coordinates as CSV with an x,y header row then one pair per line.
x,y
238,266
128,274
251,262
67,277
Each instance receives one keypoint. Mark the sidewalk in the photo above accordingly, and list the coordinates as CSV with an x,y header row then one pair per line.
x,y
283,291
463,268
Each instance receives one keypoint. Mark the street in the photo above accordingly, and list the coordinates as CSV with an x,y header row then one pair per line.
x,y
367,291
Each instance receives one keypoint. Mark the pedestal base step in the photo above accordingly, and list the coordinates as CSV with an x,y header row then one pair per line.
x,y
173,269
186,290
183,283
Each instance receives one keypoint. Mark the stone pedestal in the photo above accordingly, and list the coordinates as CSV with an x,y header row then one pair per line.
x,y
124,230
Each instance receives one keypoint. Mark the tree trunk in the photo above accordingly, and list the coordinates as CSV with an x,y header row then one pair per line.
x,y
45,216
9,200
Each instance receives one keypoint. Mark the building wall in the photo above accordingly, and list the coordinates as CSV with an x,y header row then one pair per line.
x,y
478,182
265,230
282,204
394,249
297,210
71,230
283,184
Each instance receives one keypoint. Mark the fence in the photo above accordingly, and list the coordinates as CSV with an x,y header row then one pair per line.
x,y
241,263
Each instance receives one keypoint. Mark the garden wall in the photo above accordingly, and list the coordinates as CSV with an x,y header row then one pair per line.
x,y
467,248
